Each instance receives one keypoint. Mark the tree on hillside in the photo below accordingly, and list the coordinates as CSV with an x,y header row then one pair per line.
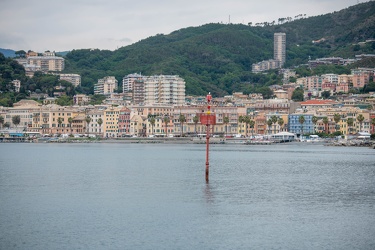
x,y
326,94
297,95
20,53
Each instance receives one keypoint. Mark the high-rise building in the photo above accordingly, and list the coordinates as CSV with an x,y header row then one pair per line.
x,y
279,41
128,82
164,89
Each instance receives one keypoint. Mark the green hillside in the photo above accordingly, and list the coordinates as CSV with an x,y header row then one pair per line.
x,y
218,57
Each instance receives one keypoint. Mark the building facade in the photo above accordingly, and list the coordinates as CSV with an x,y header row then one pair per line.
x,y
105,86
279,47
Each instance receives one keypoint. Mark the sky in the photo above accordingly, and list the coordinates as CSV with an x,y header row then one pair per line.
x,y
57,25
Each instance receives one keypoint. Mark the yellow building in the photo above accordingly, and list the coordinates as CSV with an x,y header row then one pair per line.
x,y
110,122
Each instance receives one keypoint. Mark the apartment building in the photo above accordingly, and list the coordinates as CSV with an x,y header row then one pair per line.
x,y
164,89
95,127
128,82
74,79
124,122
266,65
24,109
110,122
105,86
294,125
47,63
279,47
55,119
81,99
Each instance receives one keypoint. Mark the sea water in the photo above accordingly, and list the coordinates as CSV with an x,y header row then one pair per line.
x,y
154,196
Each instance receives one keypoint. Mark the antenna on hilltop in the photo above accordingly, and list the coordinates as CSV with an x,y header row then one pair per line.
x,y
229,20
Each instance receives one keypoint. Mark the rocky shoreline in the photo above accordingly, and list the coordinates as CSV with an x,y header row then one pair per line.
x,y
352,143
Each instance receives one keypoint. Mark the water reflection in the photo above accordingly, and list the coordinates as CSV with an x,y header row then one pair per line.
x,y
208,195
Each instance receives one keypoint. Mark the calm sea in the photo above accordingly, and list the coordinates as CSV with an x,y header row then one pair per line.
x,y
143,196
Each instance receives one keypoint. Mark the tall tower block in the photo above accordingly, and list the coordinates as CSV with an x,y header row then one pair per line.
x,y
279,40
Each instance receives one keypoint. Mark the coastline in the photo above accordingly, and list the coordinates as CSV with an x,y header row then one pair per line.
x,y
188,140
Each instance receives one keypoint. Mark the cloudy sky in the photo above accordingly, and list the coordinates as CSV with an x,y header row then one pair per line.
x,y
57,25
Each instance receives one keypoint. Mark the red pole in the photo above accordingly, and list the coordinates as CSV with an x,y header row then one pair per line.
x,y
207,150
208,122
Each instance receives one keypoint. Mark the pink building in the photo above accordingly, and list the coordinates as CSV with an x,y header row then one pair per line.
x,y
124,122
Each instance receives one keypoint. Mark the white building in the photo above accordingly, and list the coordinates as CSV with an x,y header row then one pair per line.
x,y
17,85
47,63
105,86
74,79
128,82
164,89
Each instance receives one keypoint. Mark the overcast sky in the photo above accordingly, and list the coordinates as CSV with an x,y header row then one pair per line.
x,y
57,25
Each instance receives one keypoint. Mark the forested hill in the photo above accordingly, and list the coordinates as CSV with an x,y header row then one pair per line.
x,y
218,57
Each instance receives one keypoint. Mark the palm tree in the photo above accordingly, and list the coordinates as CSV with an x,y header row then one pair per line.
x,y
100,122
241,119
360,119
301,120
59,121
314,121
280,121
226,121
152,122
1,121
195,120
182,119
326,121
269,123
337,118
350,122
166,121
274,119
88,120
70,120
247,121
252,124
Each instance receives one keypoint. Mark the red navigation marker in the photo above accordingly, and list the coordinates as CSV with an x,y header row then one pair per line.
x,y
208,119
